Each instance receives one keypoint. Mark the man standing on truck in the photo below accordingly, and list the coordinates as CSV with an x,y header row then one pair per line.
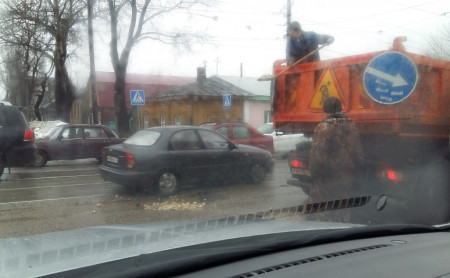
x,y
335,157
300,43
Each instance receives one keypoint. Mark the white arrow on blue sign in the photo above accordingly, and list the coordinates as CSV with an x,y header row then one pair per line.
x,y
227,101
390,77
137,97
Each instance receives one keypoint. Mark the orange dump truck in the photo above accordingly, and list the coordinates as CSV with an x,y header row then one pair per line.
x,y
400,103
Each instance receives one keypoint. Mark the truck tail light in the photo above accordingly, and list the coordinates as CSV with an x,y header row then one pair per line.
x,y
130,160
29,135
390,174
296,163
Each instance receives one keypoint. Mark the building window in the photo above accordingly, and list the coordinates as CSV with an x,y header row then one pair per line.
x,y
267,116
162,119
177,119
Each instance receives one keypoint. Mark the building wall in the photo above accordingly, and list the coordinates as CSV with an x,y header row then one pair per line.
x,y
189,111
256,110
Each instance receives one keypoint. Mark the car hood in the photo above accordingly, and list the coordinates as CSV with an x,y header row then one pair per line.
x,y
61,251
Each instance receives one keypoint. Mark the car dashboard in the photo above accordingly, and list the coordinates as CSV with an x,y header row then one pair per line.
x,y
409,255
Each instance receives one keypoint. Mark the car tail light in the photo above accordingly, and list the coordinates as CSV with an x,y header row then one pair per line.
x,y
130,160
296,163
29,135
390,174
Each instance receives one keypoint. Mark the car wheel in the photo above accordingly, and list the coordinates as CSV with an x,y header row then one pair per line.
x,y
40,158
167,183
257,173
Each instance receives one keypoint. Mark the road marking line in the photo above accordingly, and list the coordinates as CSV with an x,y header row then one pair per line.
x,y
50,186
59,177
33,170
55,199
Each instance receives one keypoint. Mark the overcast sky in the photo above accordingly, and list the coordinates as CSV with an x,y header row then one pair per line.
x,y
252,32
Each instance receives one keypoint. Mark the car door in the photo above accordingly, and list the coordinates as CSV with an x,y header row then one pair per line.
x,y
95,138
241,135
69,144
224,161
247,135
187,156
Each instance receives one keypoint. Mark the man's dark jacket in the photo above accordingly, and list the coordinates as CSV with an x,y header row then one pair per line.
x,y
299,47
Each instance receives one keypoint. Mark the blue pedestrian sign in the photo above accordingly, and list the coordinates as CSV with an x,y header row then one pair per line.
x,y
390,77
227,101
137,97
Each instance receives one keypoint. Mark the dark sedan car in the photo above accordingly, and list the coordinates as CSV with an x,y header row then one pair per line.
x,y
74,142
166,157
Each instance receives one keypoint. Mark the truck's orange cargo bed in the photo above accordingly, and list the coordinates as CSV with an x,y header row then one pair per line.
x,y
423,112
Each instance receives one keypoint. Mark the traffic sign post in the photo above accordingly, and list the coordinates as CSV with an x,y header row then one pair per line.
x,y
227,101
390,78
137,97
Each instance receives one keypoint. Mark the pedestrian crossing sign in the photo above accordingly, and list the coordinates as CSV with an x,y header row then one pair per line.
x,y
227,101
137,97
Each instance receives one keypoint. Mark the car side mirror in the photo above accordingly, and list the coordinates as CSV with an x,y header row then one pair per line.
x,y
59,137
279,133
232,146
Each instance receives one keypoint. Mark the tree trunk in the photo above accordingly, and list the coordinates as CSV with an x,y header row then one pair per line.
x,y
120,103
39,100
64,91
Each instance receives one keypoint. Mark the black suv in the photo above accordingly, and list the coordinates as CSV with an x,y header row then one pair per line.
x,y
17,146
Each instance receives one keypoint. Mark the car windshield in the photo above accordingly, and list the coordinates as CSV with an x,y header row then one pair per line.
x,y
143,138
280,115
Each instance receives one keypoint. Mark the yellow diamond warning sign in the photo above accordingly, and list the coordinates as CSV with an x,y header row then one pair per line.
x,y
326,87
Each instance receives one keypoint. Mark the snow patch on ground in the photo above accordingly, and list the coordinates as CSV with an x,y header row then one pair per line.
x,y
43,128
175,204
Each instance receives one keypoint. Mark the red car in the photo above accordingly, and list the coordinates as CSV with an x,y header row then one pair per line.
x,y
74,142
243,133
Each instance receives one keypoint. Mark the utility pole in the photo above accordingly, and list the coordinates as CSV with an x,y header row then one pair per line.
x,y
92,65
217,66
288,21
288,16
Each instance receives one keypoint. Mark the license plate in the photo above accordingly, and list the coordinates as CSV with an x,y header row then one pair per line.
x,y
112,159
299,171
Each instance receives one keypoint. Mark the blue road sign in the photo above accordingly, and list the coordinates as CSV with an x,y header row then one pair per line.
x,y
227,101
390,77
137,97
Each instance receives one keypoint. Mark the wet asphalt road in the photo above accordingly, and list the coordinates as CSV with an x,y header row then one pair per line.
x,y
68,195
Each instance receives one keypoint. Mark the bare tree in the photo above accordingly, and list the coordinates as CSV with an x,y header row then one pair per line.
x,y
54,24
439,44
13,74
138,16
24,56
